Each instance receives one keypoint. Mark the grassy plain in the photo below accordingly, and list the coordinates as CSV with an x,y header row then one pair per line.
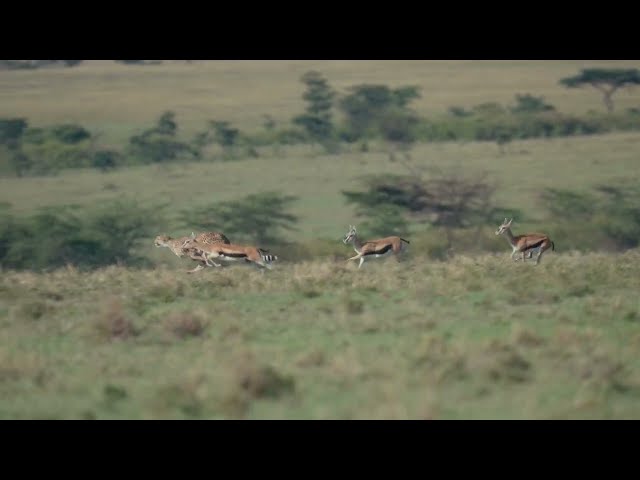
x,y
474,337
470,337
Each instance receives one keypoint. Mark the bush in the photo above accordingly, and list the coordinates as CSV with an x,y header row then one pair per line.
x,y
157,150
158,144
105,160
257,217
367,106
530,104
448,200
35,136
291,136
90,238
20,163
608,217
50,157
70,133
399,127
11,129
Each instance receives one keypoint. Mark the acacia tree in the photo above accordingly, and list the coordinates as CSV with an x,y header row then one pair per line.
x,y
606,80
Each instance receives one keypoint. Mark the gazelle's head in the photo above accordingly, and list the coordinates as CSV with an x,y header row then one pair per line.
x,y
504,227
161,240
350,235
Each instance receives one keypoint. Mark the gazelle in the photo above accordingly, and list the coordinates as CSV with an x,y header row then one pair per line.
x,y
525,243
374,248
229,252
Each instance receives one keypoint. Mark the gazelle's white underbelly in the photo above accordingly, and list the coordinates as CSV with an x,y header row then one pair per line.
x,y
222,257
231,259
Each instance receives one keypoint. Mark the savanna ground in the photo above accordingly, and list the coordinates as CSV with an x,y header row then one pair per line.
x,y
474,338
471,337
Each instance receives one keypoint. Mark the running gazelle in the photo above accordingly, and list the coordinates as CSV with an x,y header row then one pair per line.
x,y
230,252
525,243
374,248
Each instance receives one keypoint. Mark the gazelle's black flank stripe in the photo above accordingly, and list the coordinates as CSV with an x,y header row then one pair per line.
x,y
232,255
382,251
534,245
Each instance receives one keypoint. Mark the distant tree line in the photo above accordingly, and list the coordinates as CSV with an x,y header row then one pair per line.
x,y
33,64
365,114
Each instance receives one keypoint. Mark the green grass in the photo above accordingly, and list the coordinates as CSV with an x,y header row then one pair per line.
x,y
474,337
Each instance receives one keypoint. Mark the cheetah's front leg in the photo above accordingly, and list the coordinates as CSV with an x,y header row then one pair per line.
x,y
211,263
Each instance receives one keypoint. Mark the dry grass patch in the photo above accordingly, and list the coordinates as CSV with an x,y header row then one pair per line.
x,y
249,380
113,323
185,324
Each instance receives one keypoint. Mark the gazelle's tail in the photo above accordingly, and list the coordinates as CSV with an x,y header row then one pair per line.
x,y
266,256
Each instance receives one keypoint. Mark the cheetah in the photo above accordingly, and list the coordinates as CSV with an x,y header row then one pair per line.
x,y
177,246
209,238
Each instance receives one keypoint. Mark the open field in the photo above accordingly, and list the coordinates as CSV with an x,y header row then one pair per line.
x,y
471,338
116,99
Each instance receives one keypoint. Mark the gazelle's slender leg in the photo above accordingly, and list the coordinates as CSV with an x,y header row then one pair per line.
x,y
355,257
361,262
542,249
211,263
198,268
